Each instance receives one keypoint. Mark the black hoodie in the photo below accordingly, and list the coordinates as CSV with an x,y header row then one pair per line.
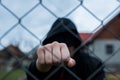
x,y
86,68
63,30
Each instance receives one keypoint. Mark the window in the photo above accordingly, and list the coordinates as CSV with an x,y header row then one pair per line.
x,y
109,49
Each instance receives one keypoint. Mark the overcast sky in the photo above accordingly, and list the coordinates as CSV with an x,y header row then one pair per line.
x,y
87,17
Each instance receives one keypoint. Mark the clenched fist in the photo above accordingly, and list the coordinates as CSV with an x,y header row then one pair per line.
x,y
53,54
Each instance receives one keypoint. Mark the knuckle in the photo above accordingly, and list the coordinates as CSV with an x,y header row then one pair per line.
x,y
47,45
63,45
55,43
40,48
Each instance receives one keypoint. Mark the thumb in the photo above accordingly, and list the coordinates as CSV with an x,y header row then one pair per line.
x,y
70,62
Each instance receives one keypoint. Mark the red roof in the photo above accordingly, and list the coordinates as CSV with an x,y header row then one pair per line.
x,y
109,31
86,37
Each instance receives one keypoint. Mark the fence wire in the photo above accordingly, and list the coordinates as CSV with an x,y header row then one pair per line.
x,y
12,63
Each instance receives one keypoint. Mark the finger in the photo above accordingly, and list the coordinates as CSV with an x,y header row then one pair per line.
x,y
56,53
70,62
64,52
48,54
66,56
41,56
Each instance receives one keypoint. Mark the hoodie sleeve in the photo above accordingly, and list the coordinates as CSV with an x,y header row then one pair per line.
x,y
90,68
97,72
34,74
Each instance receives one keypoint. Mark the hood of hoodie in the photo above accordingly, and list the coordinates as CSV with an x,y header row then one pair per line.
x,y
63,30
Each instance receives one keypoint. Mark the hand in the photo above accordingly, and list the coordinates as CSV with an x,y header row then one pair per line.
x,y
53,54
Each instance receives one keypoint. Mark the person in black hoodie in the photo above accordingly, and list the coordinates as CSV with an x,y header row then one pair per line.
x,y
61,56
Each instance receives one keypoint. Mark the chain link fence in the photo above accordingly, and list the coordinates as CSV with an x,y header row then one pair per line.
x,y
24,21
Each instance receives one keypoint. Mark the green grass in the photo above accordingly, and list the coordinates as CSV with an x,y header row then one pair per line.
x,y
111,77
14,75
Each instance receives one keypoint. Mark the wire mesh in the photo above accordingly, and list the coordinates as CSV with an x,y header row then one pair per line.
x,y
19,23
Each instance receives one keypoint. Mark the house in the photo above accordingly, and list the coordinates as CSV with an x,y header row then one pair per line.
x,y
11,57
85,36
105,43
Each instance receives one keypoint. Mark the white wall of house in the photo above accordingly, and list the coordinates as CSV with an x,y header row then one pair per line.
x,y
99,49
